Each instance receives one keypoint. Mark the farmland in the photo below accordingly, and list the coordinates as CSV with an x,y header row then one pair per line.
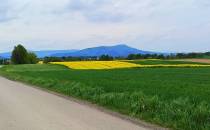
x,y
171,97
100,65
168,62
97,64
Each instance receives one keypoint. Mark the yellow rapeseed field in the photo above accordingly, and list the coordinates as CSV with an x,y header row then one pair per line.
x,y
97,64
86,65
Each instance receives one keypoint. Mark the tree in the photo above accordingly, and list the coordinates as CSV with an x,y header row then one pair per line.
x,y
105,58
131,57
207,53
32,58
52,59
1,61
19,55
161,56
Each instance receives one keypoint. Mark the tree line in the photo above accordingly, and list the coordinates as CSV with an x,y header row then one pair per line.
x,y
169,56
88,58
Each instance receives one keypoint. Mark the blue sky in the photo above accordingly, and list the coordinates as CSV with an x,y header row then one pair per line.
x,y
154,25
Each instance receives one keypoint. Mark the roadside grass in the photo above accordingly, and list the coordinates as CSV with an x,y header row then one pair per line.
x,y
164,62
177,98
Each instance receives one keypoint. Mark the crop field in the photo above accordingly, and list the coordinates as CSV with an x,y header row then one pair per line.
x,y
97,65
176,98
167,62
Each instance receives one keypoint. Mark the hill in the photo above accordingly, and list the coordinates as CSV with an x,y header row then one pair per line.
x,y
115,51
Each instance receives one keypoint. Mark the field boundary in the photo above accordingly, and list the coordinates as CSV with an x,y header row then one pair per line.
x,y
91,105
195,60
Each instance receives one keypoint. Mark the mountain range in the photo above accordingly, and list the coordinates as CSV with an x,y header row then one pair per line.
x,y
115,51
40,54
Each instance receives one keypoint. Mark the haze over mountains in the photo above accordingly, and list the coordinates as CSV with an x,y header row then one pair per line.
x,y
115,51
40,54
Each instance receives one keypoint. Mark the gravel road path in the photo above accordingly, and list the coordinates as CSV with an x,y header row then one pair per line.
x,y
28,108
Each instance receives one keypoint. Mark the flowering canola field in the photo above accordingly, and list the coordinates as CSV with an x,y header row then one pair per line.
x,y
97,64
88,65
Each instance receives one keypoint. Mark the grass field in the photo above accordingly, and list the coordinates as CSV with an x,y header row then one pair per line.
x,y
206,57
177,98
167,62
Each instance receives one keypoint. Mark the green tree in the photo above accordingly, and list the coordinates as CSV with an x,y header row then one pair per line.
x,y
19,55
131,57
106,58
32,58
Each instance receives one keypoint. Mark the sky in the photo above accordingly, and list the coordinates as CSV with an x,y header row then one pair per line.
x,y
152,25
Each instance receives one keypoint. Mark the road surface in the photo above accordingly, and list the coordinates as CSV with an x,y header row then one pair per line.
x,y
28,108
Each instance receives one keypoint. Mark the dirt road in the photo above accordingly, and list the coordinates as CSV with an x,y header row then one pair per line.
x,y
28,108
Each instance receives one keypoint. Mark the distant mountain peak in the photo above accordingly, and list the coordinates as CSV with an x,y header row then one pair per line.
x,y
120,50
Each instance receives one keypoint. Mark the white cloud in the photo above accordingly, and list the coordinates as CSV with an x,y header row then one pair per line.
x,y
147,24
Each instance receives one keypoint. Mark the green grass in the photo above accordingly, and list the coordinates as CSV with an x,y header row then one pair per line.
x,y
206,57
165,62
172,97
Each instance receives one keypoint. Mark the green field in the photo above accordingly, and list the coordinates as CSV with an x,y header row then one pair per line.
x,y
177,98
206,57
164,62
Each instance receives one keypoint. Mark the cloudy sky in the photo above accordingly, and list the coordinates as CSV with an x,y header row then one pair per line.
x,y
154,25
